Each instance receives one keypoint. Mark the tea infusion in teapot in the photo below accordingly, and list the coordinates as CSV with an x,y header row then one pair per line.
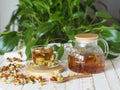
x,y
86,56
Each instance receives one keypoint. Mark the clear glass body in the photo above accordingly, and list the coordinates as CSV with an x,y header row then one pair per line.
x,y
86,57
44,56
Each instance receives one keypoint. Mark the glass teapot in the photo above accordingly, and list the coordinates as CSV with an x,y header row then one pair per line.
x,y
87,56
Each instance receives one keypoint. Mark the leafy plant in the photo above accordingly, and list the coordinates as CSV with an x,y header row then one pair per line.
x,y
60,50
47,21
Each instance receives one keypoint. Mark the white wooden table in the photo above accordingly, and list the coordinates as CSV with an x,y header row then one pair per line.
x,y
108,80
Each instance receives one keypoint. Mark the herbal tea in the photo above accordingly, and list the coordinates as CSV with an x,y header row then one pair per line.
x,y
43,56
87,56
86,63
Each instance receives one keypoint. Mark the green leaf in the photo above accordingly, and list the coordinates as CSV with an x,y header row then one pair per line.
x,y
89,2
8,42
31,43
28,3
28,35
56,47
111,56
103,14
42,4
113,39
25,4
103,28
27,24
50,2
44,28
56,2
59,50
25,12
77,15
110,35
76,2
114,47
68,31
55,17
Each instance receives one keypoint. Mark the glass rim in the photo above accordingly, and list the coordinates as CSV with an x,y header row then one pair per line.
x,y
38,46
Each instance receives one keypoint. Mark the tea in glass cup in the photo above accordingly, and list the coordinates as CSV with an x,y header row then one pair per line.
x,y
44,56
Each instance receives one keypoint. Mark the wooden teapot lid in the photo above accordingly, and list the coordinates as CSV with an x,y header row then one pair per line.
x,y
86,36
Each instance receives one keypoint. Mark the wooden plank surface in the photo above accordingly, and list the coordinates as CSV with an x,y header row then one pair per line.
x,y
112,77
100,82
87,84
116,65
73,85
107,80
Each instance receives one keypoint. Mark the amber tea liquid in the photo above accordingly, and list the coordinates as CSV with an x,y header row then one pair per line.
x,y
86,63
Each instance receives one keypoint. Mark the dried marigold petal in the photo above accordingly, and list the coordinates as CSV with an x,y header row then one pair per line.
x,y
53,78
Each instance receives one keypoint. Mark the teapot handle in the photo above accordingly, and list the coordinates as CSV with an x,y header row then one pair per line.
x,y
106,51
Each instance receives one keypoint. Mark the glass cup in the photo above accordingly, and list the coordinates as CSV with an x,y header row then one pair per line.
x,y
45,56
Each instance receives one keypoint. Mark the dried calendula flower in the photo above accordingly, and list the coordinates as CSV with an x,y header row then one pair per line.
x,y
28,80
53,78
11,74
14,59
72,74
9,59
19,60
20,53
4,68
39,78
32,78
16,81
3,75
43,80
33,65
56,72
57,76
20,76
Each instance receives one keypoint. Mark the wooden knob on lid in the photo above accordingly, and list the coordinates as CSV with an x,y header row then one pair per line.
x,y
86,37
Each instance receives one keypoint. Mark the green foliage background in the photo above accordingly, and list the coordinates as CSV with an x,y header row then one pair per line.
x,y
47,21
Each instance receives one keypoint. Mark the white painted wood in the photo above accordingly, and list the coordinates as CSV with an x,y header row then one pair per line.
x,y
100,82
59,86
28,87
37,86
56,86
74,85
3,86
87,84
116,65
112,77
14,87
108,80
